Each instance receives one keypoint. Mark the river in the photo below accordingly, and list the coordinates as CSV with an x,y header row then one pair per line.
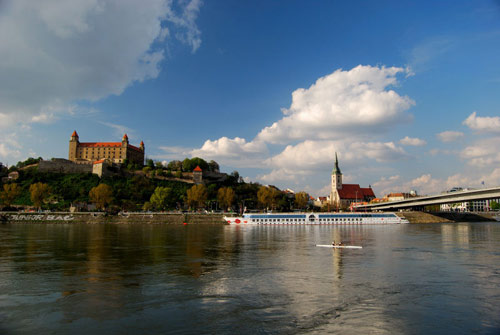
x,y
215,279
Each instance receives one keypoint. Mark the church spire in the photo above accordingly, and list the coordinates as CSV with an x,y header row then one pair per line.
x,y
336,169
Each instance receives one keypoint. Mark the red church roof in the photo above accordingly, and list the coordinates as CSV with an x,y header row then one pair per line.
x,y
197,169
368,192
74,134
353,191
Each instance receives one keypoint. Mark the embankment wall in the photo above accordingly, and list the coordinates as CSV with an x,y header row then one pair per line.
x,y
95,218
444,217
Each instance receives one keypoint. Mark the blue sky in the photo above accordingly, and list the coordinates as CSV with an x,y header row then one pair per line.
x,y
407,92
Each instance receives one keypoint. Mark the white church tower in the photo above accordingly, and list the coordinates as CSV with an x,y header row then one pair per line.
x,y
336,183
336,176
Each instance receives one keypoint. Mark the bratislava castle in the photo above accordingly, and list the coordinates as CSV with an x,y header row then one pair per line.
x,y
115,152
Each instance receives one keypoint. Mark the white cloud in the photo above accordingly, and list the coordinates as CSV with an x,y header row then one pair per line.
x,y
236,152
413,141
483,124
423,54
308,155
483,153
173,152
280,175
54,51
309,159
9,148
190,34
355,102
450,136
427,185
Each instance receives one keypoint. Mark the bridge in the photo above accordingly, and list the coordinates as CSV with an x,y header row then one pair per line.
x,y
445,198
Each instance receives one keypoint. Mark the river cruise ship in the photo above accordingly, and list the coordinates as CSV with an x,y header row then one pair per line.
x,y
316,219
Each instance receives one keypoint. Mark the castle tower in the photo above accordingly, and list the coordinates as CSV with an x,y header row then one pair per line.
x,y
73,146
125,140
198,175
141,146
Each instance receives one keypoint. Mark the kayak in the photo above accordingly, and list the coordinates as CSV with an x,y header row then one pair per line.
x,y
339,246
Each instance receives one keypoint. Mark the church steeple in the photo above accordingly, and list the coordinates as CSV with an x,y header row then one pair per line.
x,y
336,169
336,175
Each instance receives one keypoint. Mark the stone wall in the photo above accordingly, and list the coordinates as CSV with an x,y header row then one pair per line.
x,y
98,218
61,165
444,217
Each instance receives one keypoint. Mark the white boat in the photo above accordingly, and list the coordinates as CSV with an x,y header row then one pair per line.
x,y
339,246
315,219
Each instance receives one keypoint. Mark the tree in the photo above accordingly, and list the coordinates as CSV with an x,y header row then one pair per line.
x,y
188,165
161,197
29,161
197,196
267,196
174,165
101,195
150,163
39,192
147,206
3,170
178,174
495,205
9,194
213,166
301,200
225,196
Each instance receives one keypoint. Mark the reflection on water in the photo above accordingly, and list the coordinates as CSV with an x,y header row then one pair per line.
x,y
80,279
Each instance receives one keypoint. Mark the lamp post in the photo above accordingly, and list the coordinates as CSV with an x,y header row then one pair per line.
x,y
356,203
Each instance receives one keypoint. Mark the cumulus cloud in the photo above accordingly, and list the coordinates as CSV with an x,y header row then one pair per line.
x,y
483,153
354,101
428,185
236,152
310,158
483,124
54,52
413,141
450,136
342,112
9,147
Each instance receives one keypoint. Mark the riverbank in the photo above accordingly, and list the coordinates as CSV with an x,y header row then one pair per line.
x,y
198,218
445,217
98,218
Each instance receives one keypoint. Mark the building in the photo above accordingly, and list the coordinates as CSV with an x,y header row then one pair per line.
x,y
114,152
342,195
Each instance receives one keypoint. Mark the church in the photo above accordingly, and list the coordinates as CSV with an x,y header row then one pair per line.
x,y
342,195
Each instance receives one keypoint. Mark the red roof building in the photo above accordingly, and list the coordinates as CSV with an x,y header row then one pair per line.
x,y
343,195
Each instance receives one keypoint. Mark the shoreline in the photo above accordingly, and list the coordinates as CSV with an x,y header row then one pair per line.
x,y
209,218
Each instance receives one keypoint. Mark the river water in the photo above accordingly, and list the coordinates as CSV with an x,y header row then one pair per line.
x,y
208,279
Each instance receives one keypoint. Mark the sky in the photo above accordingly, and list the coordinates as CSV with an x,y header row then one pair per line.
x,y
406,92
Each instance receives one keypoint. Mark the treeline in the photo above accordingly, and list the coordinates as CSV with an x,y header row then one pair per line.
x,y
134,191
